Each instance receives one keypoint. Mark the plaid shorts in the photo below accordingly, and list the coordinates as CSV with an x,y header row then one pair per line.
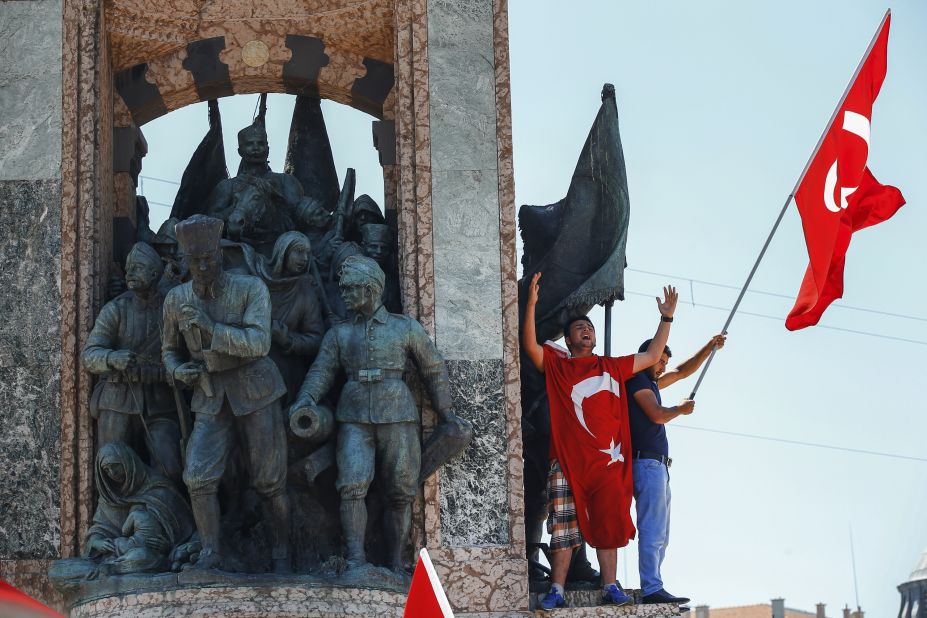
x,y
562,523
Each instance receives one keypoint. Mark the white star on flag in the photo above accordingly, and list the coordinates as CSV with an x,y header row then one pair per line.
x,y
614,452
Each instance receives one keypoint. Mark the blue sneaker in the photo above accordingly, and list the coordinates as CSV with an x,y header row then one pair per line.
x,y
615,596
551,600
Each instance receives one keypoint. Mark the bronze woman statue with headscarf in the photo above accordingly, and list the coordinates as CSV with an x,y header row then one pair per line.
x,y
140,517
296,319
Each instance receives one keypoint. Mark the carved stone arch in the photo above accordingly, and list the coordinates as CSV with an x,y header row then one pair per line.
x,y
169,53
215,67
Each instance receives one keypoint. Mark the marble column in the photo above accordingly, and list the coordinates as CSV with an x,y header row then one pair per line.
x,y
474,284
30,258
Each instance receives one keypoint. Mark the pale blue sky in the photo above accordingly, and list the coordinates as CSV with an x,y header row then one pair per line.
x,y
720,105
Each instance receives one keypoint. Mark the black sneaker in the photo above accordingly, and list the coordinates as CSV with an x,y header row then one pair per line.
x,y
662,596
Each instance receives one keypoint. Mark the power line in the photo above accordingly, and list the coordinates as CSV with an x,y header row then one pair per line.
x,y
170,182
779,319
774,294
801,443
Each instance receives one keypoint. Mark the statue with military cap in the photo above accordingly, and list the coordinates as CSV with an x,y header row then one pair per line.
x,y
377,419
133,402
257,205
217,334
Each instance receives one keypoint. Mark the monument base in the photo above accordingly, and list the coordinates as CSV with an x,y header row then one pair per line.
x,y
216,593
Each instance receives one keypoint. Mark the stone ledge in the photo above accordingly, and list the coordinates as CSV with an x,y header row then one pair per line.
x,y
586,603
280,601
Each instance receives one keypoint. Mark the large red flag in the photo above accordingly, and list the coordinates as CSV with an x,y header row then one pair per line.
x,y
426,595
838,195
591,438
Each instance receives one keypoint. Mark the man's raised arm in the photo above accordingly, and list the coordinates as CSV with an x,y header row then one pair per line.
x,y
667,307
690,366
529,337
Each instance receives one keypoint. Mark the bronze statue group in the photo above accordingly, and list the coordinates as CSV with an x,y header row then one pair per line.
x,y
251,393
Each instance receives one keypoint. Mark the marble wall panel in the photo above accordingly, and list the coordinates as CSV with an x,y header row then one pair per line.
x,y
473,497
484,584
465,202
29,458
30,90
468,309
30,246
29,367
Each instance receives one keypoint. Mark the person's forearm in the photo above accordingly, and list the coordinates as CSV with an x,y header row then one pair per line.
x,y
668,414
661,415
658,343
690,366
643,360
529,338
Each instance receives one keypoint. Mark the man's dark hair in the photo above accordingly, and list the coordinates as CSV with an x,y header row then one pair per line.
x,y
646,344
576,318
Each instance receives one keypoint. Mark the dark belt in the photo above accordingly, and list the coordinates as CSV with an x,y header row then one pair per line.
x,y
663,459
375,375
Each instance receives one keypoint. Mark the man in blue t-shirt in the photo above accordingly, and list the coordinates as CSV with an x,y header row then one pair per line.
x,y
650,451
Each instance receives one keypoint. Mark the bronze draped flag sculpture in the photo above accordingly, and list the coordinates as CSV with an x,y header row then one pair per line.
x,y
579,242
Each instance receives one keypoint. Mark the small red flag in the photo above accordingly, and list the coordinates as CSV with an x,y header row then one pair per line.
x,y
15,602
426,595
591,439
838,195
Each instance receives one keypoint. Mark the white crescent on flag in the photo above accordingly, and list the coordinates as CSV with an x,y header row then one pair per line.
x,y
588,388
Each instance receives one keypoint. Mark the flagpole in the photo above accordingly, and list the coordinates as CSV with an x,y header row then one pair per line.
x,y
608,327
791,195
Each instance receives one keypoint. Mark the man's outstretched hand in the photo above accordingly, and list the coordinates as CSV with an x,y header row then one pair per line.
x,y
534,289
668,306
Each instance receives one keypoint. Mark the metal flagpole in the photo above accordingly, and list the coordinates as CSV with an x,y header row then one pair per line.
x,y
608,327
785,206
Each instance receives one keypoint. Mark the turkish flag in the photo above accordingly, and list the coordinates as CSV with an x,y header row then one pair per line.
x,y
426,595
838,194
591,438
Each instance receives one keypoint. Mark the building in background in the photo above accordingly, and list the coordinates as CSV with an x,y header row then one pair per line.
x,y
775,608
914,592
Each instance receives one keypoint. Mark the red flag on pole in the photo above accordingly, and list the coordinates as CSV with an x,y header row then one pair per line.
x,y
838,195
591,438
426,595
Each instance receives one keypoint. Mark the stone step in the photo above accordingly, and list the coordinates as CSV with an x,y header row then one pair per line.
x,y
581,603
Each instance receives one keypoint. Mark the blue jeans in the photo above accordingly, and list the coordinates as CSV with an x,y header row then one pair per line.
x,y
652,495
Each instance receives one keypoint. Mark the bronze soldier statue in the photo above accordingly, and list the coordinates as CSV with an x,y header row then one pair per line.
x,y
377,420
134,400
258,204
217,333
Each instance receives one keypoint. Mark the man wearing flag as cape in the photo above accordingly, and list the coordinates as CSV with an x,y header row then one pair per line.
x,y
590,482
